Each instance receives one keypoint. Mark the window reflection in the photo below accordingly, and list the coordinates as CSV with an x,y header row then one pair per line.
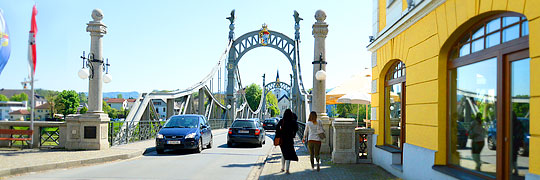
x,y
520,92
394,93
473,97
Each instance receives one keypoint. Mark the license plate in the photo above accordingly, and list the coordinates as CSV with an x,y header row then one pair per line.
x,y
173,142
243,131
270,125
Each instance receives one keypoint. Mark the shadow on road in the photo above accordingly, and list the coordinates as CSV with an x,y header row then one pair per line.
x,y
171,153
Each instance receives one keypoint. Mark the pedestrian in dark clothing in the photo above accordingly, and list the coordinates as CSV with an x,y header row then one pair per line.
x,y
286,130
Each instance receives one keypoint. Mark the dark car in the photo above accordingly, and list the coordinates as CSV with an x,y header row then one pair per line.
x,y
184,132
246,131
492,136
462,135
270,124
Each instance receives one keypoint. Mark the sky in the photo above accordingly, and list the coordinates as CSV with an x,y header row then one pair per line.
x,y
167,45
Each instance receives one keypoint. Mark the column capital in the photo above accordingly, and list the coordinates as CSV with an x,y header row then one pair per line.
x,y
320,28
96,27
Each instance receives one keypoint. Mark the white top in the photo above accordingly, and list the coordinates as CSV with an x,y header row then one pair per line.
x,y
312,130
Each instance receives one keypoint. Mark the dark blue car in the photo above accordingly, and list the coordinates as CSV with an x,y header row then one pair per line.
x,y
246,131
492,136
184,132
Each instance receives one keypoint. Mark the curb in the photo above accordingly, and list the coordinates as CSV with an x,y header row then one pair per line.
x,y
71,164
256,171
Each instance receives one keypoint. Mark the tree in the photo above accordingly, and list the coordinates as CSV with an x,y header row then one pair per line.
x,y
51,99
272,104
3,98
67,102
83,98
83,110
119,96
253,95
19,97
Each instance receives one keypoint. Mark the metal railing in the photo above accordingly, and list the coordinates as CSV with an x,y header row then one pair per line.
x,y
301,129
135,131
219,123
364,142
48,133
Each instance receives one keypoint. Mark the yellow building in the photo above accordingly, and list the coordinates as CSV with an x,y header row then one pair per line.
x,y
456,88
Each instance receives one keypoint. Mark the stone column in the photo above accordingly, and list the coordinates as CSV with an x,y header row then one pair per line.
x,y
320,30
90,131
344,141
201,102
97,29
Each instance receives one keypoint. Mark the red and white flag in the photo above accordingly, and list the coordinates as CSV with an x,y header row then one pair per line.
x,y
32,42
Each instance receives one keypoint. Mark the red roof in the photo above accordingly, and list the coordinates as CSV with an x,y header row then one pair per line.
x,y
21,112
131,100
116,100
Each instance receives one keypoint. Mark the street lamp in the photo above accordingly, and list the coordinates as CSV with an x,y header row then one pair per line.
x,y
87,70
321,74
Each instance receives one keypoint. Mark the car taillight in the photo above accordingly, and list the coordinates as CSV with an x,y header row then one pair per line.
x,y
264,124
230,131
257,131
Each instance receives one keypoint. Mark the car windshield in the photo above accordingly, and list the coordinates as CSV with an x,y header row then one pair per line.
x,y
182,122
243,124
269,121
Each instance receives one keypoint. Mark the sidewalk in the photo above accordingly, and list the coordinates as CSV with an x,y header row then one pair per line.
x,y
302,168
15,161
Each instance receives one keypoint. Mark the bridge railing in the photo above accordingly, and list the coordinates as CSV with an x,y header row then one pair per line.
x,y
143,130
46,133
219,123
301,129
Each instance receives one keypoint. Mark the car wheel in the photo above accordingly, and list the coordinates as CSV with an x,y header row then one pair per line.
x,y
210,144
522,151
491,144
199,146
229,144
160,151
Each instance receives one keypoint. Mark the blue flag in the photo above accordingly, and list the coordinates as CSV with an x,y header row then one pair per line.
x,y
5,47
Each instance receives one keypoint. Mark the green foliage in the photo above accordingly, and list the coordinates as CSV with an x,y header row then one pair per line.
x,y
114,113
119,96
253,95
83,98
3,98
67,102
83,110
272,104
352,111
19,97
51,97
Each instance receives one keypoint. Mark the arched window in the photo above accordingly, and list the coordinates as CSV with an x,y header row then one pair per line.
x,y
394,96
488,86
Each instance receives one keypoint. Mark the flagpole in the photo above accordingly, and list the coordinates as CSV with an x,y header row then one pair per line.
x,y
32,111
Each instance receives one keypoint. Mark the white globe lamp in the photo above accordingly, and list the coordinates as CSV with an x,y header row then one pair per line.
x,y
107,78
320,75
84,73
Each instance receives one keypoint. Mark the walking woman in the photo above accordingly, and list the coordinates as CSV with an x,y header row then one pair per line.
x,y
311,133
286,130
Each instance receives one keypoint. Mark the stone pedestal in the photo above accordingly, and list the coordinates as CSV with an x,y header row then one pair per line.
x,y
344,141
87,131
326,144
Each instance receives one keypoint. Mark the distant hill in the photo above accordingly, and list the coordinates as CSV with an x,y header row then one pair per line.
x,y
125,95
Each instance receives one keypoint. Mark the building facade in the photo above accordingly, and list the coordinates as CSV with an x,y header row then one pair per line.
x,y
9,106
161,108
117,103
456,88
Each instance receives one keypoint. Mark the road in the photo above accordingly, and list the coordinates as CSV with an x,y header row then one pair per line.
x,y
219,162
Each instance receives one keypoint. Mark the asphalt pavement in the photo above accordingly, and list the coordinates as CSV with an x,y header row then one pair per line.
x,y
219,162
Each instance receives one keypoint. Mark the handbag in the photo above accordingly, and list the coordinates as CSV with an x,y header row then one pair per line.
x,y
321,132
277,141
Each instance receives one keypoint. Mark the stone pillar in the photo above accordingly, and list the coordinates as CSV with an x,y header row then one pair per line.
x,y
90,131
320,30
344,141
97,29
170,108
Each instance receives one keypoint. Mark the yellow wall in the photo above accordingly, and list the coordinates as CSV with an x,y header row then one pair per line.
x,y
423,48
382,14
